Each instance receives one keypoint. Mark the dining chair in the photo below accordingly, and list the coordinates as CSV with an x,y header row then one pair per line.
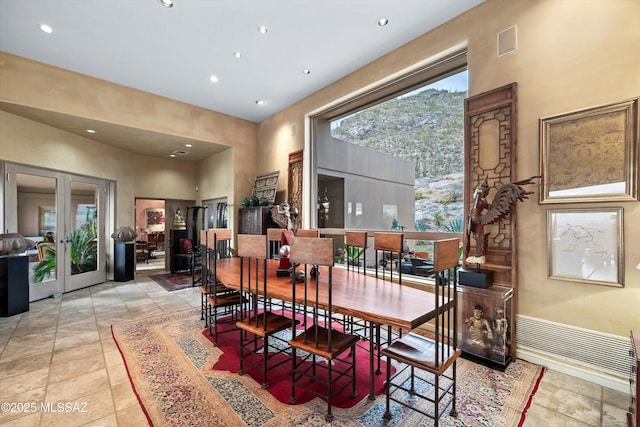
x,y
356,248
319,339
390,246
219,298
208,257
308,232
429,360
257,323
274,237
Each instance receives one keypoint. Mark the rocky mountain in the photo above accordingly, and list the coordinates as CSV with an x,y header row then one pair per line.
x,y
426,127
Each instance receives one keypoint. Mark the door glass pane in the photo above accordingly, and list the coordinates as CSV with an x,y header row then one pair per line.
x,y
83,245
37,222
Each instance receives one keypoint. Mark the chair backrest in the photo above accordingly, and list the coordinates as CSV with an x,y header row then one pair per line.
x,y
210,242
445,263
307,253
274,237
308,233
222,242
391,245
356,246
252,250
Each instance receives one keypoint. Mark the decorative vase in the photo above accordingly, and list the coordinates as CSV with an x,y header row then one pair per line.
x,y
12,244
253,201
245,202
124,234
264,202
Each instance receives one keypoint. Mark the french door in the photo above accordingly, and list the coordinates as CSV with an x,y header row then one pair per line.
x,y
64,215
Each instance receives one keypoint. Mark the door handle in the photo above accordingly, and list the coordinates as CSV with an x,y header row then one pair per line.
x,y
65,240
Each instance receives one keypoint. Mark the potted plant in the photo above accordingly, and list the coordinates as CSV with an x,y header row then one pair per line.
x,y
84,255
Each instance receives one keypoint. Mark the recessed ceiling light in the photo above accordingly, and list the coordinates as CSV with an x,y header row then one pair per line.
x,y
172,155
91,131
213,79
306,71
188,145
237,54
260,102
46,28
167,3
262,29
383,21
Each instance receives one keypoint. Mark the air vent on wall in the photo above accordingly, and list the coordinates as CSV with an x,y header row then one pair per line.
x,y
507,41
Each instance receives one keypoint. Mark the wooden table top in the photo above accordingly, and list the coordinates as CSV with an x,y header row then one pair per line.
x,y
364,297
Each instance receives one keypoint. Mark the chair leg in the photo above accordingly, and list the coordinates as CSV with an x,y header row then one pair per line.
x,y
454,412
329,416
265,356
292,399
387,386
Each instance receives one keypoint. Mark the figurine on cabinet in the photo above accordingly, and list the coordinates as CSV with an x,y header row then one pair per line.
x,y
500,327
479,333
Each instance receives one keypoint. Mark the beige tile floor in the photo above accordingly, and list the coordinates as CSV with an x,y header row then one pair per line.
x,y
61,350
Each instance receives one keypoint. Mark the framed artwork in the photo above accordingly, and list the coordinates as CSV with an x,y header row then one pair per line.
x,y
155,219
585,245
265,186
590,155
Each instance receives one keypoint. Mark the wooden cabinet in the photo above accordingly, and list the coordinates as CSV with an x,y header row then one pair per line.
x,y
634,408
255,220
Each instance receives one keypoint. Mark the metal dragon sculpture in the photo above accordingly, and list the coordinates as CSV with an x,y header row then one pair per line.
x,y
484,213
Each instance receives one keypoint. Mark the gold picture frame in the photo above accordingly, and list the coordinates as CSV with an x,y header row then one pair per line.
x,y
590,155
586,245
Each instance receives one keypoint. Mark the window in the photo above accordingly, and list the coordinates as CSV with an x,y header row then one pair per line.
x,y
396,154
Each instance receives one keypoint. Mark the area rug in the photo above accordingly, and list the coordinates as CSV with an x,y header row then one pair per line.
x,y
170,364
279,378
174,281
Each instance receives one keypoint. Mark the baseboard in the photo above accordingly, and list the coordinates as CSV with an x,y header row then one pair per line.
x,y
617,383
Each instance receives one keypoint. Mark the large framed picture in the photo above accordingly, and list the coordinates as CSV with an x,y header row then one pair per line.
x,y
586,245
590,155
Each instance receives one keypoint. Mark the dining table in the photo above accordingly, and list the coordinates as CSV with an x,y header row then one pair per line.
x,y
373,299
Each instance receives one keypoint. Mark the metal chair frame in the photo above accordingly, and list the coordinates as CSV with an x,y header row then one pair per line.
x,y
429,360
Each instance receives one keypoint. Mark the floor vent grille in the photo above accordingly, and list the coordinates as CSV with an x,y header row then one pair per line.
x,y
595,350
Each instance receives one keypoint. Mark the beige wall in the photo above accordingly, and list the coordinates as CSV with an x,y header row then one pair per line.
x,y
571,55
35,85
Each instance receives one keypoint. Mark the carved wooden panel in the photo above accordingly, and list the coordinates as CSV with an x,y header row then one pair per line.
x,y
294,190
490,152
490,140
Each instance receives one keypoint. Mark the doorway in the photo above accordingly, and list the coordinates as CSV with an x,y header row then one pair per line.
x,y
64,218
150,230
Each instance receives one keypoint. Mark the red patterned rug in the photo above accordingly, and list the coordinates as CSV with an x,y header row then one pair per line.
x,y
170,363
174,281
279,378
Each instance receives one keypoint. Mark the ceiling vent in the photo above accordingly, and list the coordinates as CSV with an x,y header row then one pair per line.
x,y
180,153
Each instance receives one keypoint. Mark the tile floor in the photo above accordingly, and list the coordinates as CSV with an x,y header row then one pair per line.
x,y
62,351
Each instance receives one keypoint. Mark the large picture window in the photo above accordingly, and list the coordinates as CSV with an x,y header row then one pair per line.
x,y
396,155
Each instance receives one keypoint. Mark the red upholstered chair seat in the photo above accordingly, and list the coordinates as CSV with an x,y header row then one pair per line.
x,y
185,246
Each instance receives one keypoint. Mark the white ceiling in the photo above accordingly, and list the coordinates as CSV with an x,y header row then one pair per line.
x,y
173,52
